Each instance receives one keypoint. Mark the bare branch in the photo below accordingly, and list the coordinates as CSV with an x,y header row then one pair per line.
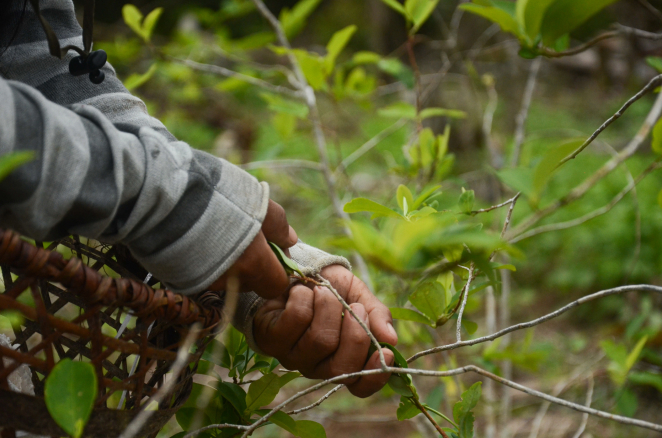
x,y
222,71
177,367
545,318
605,170
282,164
318,402
652,84
551,53
652,9
509,216
589,400
592,215
524,110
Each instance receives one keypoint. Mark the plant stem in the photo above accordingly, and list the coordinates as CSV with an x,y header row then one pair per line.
x,y
429,417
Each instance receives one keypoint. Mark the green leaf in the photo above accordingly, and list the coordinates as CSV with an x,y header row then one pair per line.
x,y
406,409
337,43
466,201
136,80
312,66
655,62
398,110
656,144
400,386
469,401
530,14
633,357
564,16
150,22
285,124
362,204
287,378
627,403
466,426
310,429
133,17
424,196
659,199
262,392
548,165
519,179
430,299
289,264
409,315
365,57
13,160
281,419
293,21
398,70
393,4
442,112
285,106
403,194
233,393
469,326
419,11
69,393
646,378
506,21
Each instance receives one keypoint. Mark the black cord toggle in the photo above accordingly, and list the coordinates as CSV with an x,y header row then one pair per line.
x,y
90,64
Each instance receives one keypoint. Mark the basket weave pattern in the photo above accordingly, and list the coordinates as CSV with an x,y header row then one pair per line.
x,y
60,288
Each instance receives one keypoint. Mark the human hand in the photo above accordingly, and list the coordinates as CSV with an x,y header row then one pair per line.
x,y
304,329
258,269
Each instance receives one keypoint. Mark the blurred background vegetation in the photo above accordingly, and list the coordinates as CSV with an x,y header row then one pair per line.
x,y
473,67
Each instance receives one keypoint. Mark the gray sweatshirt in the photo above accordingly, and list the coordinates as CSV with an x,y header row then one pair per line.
x,y
105,169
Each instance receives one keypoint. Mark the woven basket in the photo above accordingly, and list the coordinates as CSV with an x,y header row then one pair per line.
x,y
75,308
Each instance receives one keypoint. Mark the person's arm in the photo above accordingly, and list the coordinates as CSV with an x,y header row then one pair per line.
x,y
187,216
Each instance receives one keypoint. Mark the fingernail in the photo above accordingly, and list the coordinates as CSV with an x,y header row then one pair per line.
x,y
391,330
293,236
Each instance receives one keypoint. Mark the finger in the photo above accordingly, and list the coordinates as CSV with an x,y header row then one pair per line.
x,y
368,385
381,320
276,228
260,270
352,351
323,336
279,324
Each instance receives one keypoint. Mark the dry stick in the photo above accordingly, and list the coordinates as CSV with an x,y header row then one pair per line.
x,y
320,140
222,71
524,110
318,402
177,367
653,83
592,215
282,164
589,400
605,170
324,282
537,321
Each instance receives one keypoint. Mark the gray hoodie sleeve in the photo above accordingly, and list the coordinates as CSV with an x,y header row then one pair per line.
x,y
184,214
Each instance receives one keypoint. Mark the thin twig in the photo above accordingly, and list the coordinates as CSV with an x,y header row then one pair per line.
x,y
494,207
589,216
652,84
537,321
369,145
551,53
428,416
225,72
215,427
509,216
177,367
318,402
465,295
652,9
589,400
523,114
605,170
